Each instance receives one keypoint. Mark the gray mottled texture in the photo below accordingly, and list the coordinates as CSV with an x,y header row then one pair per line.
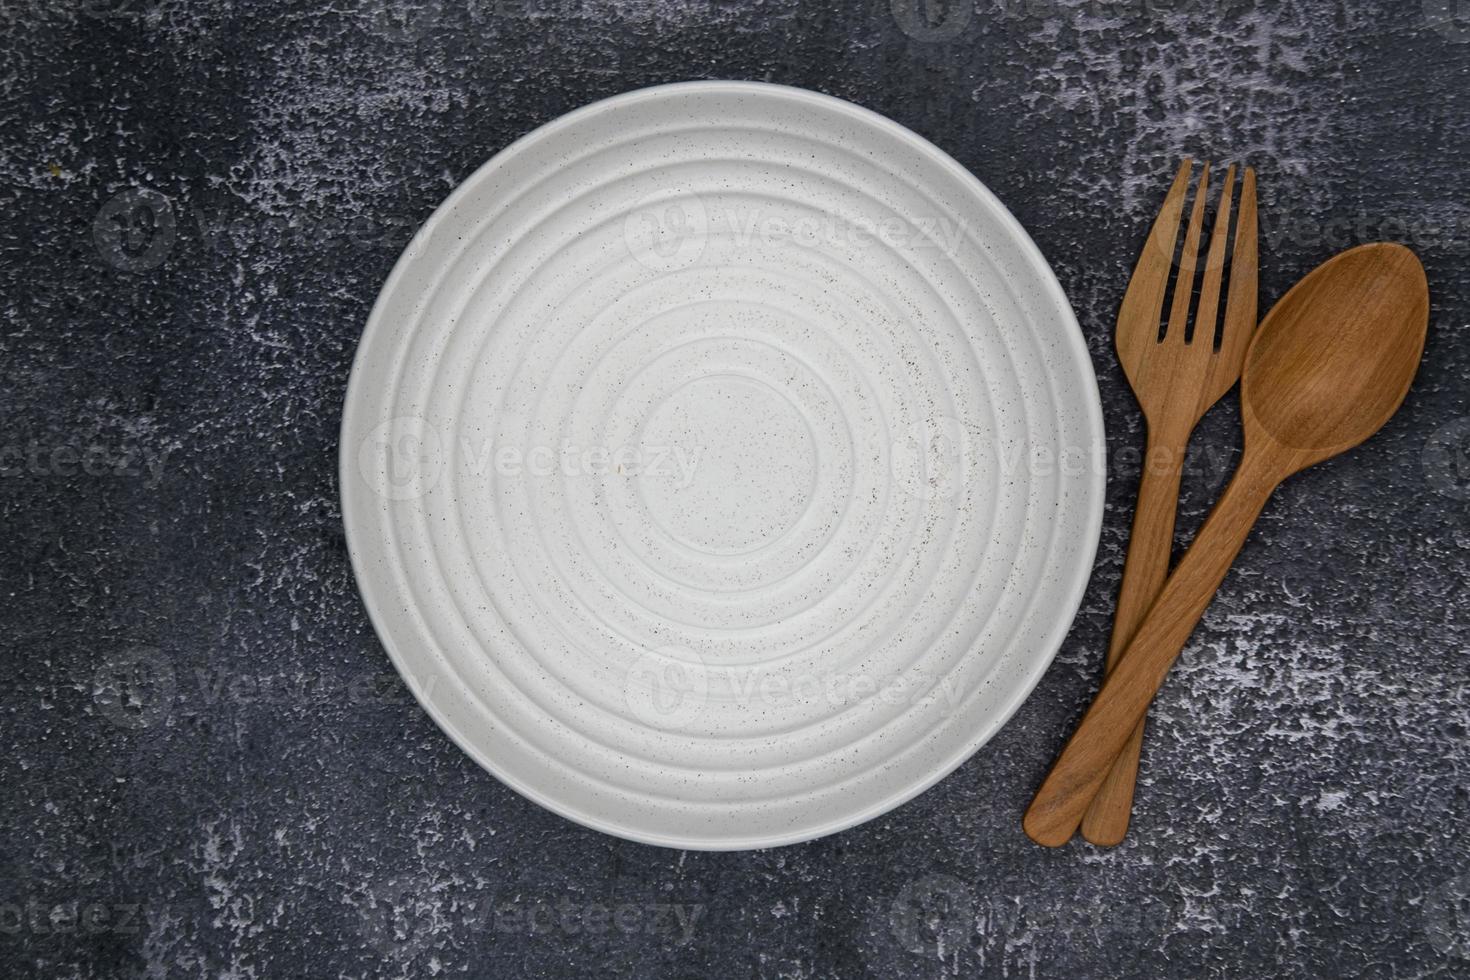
x,y
259,797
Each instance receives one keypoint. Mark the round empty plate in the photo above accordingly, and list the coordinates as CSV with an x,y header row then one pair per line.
x,y
721,465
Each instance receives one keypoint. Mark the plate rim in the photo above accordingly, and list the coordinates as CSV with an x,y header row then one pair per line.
x,y
1089,400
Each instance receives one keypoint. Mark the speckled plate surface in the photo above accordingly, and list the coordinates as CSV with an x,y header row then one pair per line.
x,y
721,465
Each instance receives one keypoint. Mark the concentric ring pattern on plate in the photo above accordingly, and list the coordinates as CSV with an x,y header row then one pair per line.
x,y
721,465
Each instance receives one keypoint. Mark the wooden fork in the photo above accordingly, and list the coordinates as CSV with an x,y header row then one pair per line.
x,y
1176,378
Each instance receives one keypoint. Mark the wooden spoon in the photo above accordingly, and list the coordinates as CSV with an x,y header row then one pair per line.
x,y
1328,366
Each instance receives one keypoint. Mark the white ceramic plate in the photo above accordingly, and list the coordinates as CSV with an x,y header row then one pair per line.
x,y
721,465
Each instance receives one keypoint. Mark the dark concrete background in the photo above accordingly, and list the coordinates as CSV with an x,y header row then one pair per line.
x,y
209,768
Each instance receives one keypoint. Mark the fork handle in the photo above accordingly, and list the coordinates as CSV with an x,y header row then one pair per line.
x,y
1147,565
1084,764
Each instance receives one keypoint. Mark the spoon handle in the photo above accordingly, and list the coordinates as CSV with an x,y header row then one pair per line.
x,y
1082,767
1144,571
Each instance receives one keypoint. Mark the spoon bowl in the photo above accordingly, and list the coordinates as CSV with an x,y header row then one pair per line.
x,y
1335,357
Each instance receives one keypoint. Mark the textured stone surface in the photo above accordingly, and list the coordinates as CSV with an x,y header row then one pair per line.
x,y
267,801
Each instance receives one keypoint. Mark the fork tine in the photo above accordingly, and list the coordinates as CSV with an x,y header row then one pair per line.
x,y
1165,232
1143,302
1240,302
1184,282
1209,292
